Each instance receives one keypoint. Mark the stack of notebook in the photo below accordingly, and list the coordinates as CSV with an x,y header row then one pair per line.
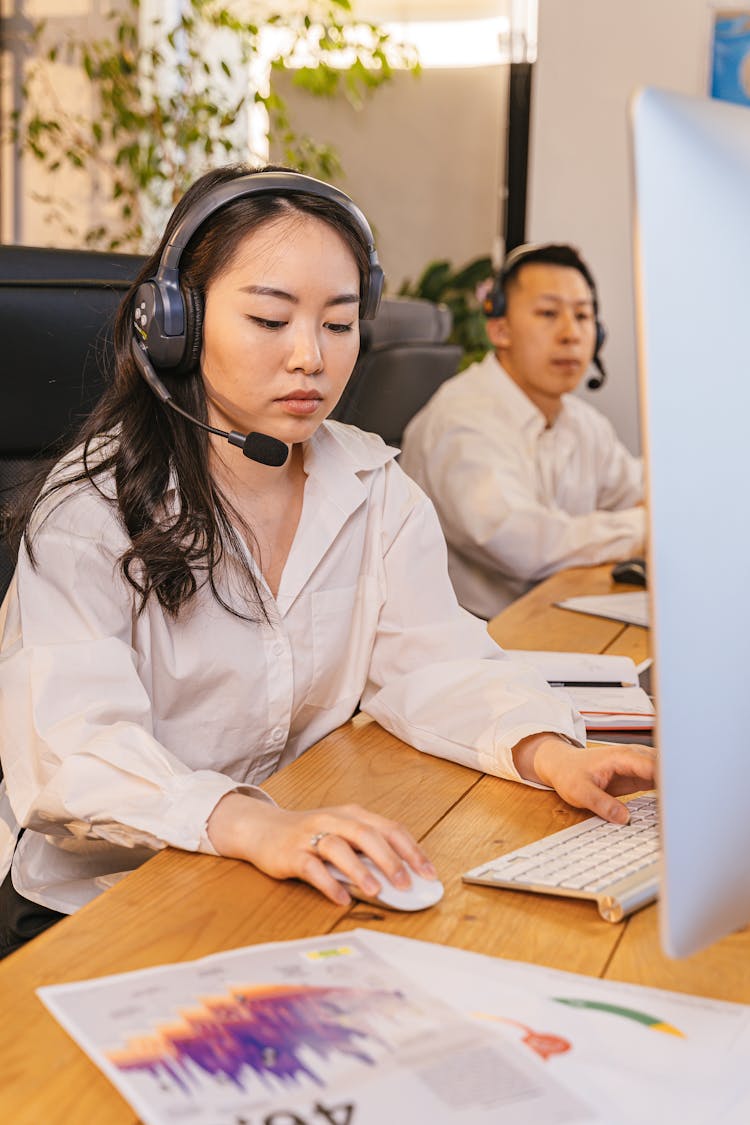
x,y
604,689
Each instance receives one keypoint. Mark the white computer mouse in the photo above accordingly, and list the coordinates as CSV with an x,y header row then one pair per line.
x,y
421,894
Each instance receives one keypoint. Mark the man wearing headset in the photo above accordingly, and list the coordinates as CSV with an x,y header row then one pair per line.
x,y
528,479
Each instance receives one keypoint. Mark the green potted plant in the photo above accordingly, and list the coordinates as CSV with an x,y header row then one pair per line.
x,y
462,291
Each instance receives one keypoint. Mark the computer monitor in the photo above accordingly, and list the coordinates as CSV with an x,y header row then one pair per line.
x,y
692,274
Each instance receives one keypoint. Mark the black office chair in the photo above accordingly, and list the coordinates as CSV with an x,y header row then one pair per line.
x,y
403,360
56,313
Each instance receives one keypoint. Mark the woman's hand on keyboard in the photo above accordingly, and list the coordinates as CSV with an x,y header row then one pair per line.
x,y
588,778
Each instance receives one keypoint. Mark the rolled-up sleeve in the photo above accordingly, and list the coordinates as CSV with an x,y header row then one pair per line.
x,y
79,753
437,680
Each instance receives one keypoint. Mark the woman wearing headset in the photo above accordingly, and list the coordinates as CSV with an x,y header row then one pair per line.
x,y
185,620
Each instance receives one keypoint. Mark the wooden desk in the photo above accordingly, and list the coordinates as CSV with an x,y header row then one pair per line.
x,y
179,906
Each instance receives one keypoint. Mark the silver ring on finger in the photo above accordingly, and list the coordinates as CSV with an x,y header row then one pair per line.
x,y
315,840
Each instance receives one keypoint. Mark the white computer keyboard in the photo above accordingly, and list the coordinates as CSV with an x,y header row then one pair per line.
x,y
615,865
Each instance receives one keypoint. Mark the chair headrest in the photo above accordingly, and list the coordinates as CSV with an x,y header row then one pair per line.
x,y
56,312
409,320
37,265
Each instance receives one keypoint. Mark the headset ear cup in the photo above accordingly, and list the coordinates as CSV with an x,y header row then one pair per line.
x,y
494,303
191,356
601,336
373,292
597,381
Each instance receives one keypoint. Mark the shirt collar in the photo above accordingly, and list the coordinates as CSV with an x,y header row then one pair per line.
x,y
336,459
338,456
519,408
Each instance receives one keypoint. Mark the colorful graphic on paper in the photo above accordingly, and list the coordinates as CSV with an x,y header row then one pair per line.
x,y
310,1031
543,1043
268,1031
730,58
432,1062
627,1013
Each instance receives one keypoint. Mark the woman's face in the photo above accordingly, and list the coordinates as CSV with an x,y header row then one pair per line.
x,y
281,329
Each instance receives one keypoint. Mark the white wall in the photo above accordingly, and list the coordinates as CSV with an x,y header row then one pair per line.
x,y
424,159
592,54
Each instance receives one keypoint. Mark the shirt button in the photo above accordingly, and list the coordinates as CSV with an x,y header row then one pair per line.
x,y
278,649
277,734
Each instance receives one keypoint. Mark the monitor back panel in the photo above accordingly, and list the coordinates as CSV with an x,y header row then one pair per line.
x,y
692,272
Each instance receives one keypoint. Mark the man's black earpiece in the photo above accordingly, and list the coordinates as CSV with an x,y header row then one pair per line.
x,y
495,303
168,316
597,381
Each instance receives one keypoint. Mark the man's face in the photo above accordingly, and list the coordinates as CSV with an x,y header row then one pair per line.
x,y
547,338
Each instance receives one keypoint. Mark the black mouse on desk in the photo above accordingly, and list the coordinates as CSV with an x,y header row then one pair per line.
x,y
630,570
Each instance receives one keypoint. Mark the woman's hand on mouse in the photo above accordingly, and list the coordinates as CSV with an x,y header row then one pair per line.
x,y
589,778
288,844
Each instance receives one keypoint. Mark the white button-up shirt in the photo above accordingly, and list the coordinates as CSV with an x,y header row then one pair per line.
x,y
518,500
121,731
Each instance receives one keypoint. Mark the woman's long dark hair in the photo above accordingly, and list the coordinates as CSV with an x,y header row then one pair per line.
x,y
171,554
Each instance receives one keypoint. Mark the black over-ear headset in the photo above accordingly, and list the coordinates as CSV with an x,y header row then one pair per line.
x,y
560,254
168,317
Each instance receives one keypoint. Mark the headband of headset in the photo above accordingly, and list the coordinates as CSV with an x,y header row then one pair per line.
x,y
170,323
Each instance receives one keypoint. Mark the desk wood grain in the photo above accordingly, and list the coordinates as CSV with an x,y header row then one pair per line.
x,y
180,906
